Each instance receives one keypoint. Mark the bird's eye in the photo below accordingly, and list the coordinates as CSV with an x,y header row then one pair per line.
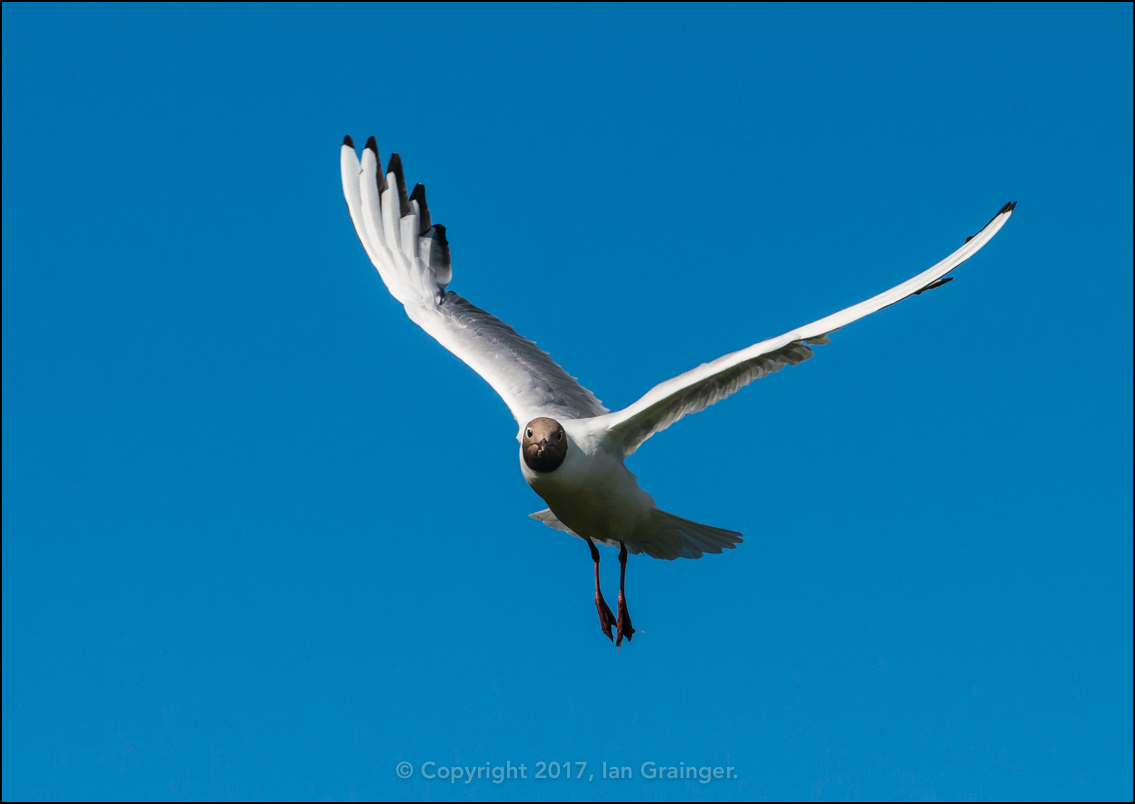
x,y
559,435
529,433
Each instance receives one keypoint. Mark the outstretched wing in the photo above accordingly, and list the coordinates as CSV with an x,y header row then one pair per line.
x,y
710,382
412,257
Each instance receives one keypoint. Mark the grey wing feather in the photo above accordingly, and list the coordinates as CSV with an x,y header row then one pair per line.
x,y
710,382
700,394
516,367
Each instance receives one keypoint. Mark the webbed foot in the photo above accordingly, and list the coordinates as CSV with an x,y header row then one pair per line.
x,y
623,626
606,617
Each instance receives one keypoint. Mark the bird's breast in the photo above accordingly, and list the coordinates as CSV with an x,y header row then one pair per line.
x,y
594,494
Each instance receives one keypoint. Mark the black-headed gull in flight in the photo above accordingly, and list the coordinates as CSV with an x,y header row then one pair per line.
x,y
572,449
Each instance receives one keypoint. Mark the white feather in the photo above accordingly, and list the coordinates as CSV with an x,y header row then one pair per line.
x,y
390,212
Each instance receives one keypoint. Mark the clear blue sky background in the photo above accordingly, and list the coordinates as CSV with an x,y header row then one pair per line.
x,y
263,538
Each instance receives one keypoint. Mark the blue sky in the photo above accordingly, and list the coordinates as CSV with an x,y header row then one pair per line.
x,y
263,538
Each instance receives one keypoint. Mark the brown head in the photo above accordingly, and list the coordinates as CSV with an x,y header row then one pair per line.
x,y
544,446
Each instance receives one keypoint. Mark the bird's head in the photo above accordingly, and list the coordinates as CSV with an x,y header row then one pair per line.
x,y
545,445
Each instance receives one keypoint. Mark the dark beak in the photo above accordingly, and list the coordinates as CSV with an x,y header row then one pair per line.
x,y
543,444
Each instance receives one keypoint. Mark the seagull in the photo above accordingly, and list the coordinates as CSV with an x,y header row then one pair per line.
x,y
572,449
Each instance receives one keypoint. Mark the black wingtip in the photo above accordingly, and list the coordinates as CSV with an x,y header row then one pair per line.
x,y
1007,208
935,284
441,244
395,166
380,177
348,141
419,194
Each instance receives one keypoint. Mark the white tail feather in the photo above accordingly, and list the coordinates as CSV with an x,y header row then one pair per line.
x,y
668,537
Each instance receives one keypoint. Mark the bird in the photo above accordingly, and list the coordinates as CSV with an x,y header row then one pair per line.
x,y
572,448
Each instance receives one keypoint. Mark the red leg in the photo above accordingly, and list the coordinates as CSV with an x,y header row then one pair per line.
x,y
624,627
606,618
